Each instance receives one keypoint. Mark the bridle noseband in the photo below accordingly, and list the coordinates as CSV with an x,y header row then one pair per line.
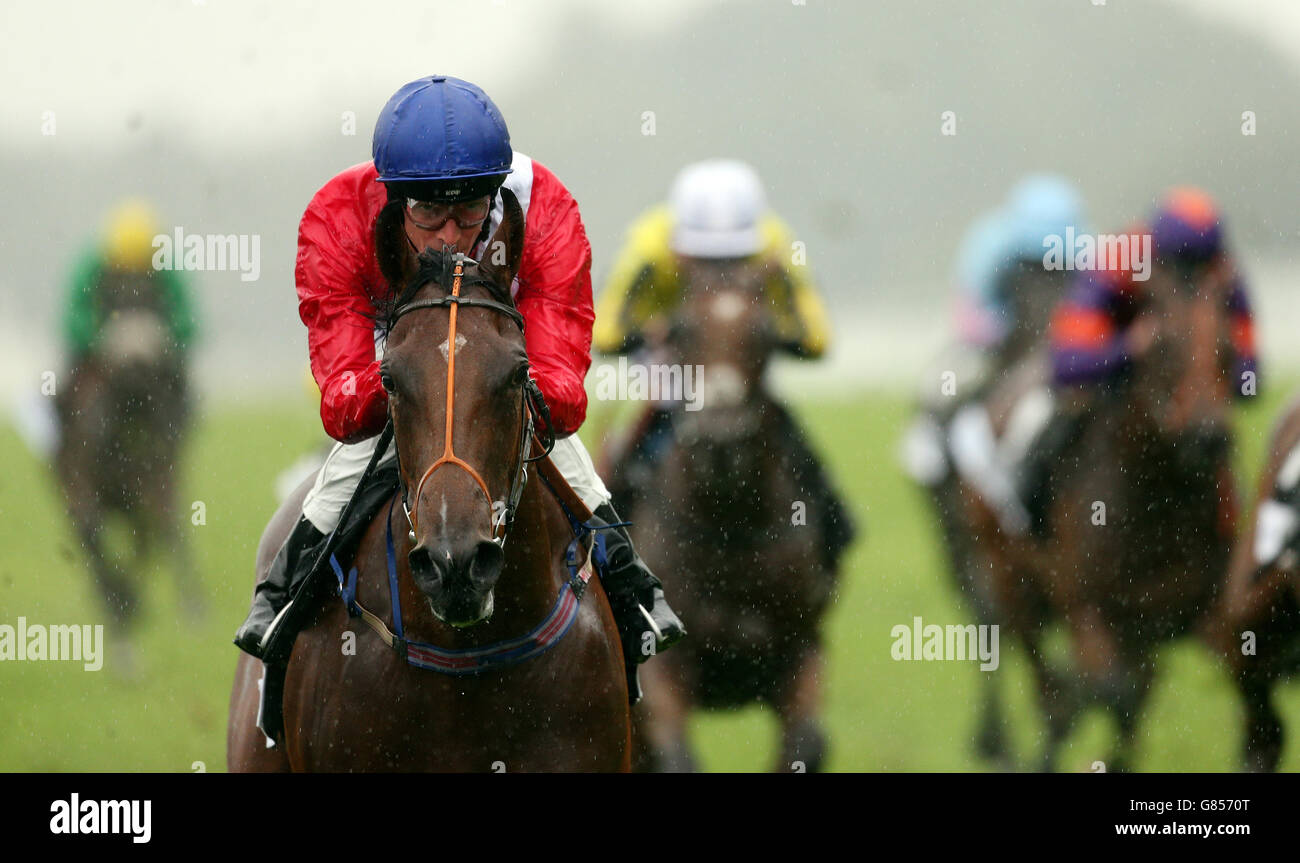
x,y
533,406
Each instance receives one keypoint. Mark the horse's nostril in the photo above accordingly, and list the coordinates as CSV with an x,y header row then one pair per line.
x,y
422,562
469,566
488,558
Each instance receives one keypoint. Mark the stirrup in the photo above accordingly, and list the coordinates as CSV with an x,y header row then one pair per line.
x,y
659,635
663,640
268,637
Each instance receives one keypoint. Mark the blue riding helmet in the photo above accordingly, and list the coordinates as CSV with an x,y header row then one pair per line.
x,y
441,138
982,260
984,253
1038,206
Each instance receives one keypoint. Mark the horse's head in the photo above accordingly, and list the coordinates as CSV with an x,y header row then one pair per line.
x,y
724,329
457,402
1181,382
134,349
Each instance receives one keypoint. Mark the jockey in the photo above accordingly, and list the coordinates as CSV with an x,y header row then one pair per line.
x,y
1004,298
441,153
1000,249
717,211
126,247
1094,342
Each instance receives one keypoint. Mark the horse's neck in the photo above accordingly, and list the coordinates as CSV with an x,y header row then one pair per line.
x,y
721,500
533,548
1153,477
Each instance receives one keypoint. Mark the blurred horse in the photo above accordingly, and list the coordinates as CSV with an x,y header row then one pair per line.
x,y
452,586
122,414
716,524
1032,292
1256,625
1141,522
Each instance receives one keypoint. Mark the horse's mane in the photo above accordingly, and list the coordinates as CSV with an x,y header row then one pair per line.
x,y
437,267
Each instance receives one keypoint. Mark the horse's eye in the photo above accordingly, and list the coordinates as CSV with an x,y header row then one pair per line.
x,y
386,381
517,377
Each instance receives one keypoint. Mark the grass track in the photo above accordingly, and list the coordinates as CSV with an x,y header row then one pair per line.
x,y
882,715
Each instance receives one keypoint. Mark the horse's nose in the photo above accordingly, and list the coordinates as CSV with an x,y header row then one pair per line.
x,y
458,582
475,565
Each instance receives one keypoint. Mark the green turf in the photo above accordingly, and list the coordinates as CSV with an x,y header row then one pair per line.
x,y
881,714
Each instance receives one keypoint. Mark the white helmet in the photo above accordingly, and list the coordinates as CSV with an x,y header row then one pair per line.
x,y
716,207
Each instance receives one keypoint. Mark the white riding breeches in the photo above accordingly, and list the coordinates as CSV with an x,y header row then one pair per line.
x,y
338,477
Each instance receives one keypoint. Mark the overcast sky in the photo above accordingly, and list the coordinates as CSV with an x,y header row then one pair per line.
x,y
229,72
228,114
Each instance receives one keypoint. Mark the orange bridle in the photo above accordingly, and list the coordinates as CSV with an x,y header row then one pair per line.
x,y
448,454
500,522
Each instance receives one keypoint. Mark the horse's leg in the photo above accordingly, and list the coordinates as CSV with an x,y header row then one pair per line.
x,y
118,594
798,705
1249,605
990,732
661,717
990,736
1120,680
1058,700
143,535
1262,747
176,543
964,563
1126,692
78,475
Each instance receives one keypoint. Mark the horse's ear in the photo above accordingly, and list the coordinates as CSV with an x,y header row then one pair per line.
x,y
504,251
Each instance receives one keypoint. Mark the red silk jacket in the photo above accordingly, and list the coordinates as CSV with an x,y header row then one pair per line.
x,y
339,284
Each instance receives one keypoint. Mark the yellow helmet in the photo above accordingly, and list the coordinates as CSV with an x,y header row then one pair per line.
x,y
128,235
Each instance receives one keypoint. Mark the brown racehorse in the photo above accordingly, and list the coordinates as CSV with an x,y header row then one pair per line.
x,y
718,523
1256,626
459,589
122,416
1033,292
1140,524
